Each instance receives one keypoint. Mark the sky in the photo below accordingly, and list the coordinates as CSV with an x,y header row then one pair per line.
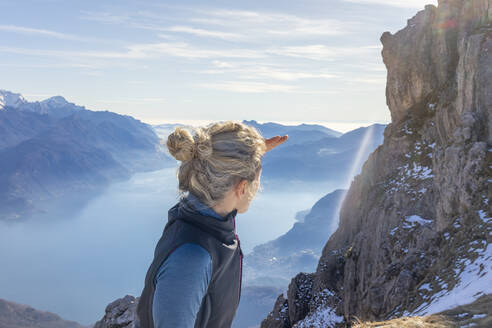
x,y
311,61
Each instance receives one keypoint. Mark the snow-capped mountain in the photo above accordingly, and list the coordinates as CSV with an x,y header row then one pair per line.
x,y
56,106
53,148
11,99
16,100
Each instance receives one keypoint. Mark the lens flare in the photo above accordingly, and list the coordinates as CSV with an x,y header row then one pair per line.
x,y
359,157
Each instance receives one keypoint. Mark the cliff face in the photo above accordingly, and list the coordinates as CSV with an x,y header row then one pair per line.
x,y
415,226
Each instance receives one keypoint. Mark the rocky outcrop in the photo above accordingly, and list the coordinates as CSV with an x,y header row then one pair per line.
x,y
119,314
415,226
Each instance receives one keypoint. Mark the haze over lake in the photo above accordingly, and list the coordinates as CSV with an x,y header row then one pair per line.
x,y
76,264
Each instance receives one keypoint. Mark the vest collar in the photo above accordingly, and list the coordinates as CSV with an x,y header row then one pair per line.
x,y
223,230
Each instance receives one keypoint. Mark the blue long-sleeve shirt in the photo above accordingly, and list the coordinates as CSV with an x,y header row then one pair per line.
x,y
182,280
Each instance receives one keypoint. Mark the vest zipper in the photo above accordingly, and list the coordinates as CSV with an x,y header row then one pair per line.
x,y
241,260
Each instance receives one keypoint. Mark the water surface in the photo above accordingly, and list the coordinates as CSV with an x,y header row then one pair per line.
x,y
76,264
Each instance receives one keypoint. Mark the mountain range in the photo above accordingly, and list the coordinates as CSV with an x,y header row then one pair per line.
x,y
53,150
313,153
328,158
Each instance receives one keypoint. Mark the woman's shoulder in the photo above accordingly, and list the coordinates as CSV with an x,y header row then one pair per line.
x,y
187,258
191,249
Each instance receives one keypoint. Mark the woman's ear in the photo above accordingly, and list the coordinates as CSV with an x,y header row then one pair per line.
x,y
241,188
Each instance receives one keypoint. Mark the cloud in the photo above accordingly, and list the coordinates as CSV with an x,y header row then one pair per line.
x,y
255,71
105,17
143,51
291,76
413,4
143,100
378,80
42,32
28,30
231,25
52,65
166,36
323,52
206,33
248,87
131,53
222,64
260,25
262,87
185,50
274,49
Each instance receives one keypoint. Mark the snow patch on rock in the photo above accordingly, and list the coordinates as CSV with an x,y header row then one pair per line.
x,y
474,281
323,317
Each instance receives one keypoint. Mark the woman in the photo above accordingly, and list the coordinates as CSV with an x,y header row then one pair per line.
x,y
195,277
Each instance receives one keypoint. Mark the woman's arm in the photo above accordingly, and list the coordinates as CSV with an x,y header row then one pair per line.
x,y
181,283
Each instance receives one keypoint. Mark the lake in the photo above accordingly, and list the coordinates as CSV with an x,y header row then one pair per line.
x,y
76,264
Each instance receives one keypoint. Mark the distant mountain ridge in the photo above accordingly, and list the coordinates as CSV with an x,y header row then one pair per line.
x,y
312,153
323,159
56,106
298,133
14,315
54,148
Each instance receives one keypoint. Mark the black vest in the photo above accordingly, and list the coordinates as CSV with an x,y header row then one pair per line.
x,y
218,237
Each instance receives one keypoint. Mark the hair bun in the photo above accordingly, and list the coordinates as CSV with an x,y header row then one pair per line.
x,y
203,143
181,145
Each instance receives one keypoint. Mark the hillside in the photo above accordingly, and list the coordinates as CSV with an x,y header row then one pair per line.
x,y
14,315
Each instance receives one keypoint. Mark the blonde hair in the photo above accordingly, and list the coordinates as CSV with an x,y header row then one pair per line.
x,y
216,158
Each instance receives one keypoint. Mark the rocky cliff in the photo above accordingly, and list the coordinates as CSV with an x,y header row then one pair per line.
x,y
415,226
